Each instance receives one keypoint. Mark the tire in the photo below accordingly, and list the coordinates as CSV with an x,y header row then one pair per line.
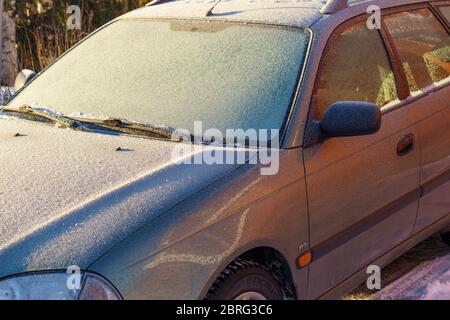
x,y
446,238
245,280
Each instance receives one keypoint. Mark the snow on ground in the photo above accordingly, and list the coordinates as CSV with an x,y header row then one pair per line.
x,y
423,273
428,281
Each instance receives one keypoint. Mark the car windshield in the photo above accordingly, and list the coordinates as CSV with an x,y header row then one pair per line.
x,y
227,75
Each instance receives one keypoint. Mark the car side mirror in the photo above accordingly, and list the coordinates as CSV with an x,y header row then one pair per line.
x,y
350,118
23,78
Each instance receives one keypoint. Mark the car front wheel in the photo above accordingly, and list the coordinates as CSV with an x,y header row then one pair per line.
x,y
245,280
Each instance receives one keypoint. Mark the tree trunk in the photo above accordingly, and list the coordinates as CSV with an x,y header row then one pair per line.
x,y
8,53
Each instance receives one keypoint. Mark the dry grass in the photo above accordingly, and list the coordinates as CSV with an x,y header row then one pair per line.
x,y
42,36
39,45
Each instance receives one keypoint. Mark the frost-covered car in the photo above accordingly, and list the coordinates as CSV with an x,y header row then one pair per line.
x,y
91,182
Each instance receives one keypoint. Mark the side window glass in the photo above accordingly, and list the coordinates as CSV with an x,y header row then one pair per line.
x,y
354,67
423,45
445,10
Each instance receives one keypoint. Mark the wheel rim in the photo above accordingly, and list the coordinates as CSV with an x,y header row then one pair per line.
x,y
250,295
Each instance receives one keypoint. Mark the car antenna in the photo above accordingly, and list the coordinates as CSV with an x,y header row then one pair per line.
x,y
209,12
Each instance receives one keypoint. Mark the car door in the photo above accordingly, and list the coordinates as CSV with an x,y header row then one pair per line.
x,y
423,44
363,191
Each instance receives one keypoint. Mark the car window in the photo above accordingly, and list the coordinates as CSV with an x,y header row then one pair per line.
x,y
174,73
423,45
354,67
445,10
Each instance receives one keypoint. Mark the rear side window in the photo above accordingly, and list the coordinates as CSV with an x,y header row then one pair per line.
x,y
445,12
423,45
354,67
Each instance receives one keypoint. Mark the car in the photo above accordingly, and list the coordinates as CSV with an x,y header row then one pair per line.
x,y
112,181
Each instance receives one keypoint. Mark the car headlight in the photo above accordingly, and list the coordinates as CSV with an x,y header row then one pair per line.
x,y
56,286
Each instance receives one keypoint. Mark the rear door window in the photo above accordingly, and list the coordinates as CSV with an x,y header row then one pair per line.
x,y
423,45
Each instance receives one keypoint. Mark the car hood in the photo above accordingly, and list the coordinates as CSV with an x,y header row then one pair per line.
x,y
66,197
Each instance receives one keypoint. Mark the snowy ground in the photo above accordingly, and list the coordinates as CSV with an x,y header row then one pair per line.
x,y
422,273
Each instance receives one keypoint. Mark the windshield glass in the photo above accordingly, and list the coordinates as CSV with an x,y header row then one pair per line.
x,y
174,72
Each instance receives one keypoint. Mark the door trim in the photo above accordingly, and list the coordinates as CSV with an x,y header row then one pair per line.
x,y
351,232
351,282
436,182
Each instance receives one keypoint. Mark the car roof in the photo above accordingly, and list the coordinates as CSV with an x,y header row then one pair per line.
x,y
289,12
300,13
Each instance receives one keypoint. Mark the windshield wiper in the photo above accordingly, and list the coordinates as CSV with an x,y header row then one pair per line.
x,y
134,128
115,124
36,113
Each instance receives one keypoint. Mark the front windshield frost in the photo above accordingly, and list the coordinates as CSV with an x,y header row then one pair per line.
x,y
172,73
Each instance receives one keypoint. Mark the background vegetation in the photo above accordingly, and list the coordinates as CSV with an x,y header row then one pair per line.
x,y
40,26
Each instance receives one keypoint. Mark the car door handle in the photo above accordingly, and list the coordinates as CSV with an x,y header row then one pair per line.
x,y
405,145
